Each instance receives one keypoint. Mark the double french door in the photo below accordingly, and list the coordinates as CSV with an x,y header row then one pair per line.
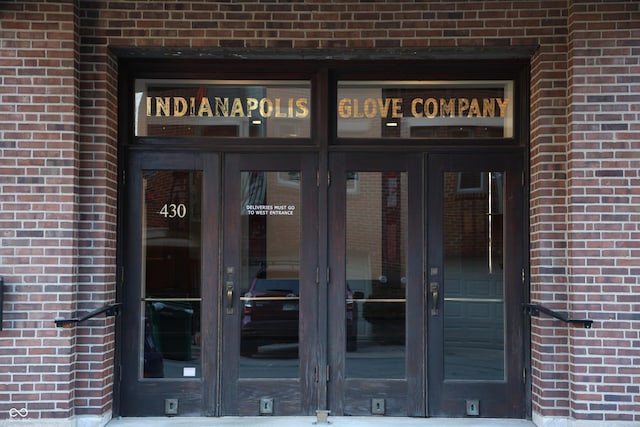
x,y
359,283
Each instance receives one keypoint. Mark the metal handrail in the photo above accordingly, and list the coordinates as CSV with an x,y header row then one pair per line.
x,y
536,309
109,310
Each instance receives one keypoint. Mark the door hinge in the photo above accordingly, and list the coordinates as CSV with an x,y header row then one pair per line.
x,y
328,275
523,277
524,375
328,178
522,178
328,373
124,177
317,275
318,178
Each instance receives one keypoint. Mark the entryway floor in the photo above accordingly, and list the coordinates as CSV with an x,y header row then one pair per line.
x,y
267,421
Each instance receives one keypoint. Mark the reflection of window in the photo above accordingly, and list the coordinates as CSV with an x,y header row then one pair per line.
x,y
352,182
289,179
292,179
471,182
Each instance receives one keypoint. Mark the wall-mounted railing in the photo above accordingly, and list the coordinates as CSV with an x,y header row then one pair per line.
x,y
108,310
536,309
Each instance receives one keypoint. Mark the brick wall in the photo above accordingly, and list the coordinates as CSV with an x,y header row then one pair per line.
x,y
548,130
97,198
58,139
38,219
57,226
584,232
603,194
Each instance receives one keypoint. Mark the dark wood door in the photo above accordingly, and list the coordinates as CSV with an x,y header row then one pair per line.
x,y
375,298
246,294
168,360
474,285
269,285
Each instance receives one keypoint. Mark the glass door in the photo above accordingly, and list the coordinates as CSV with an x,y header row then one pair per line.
x,y
475,286
168,358
230,308
376,322
269,285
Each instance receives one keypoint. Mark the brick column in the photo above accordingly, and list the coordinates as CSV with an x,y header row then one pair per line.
x,y
98,217
548,219
603,215
38,206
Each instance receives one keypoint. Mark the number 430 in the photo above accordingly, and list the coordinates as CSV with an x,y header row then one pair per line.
x,y
173,210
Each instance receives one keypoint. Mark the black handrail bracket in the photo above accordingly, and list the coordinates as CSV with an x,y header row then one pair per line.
x,y
108,310
536,309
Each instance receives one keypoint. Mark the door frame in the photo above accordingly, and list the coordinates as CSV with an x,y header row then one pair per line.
x,y
292,396
138,395
324,73
446,398
316,382
404,397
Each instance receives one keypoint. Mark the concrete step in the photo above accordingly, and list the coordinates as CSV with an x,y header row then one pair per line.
x,y
268,421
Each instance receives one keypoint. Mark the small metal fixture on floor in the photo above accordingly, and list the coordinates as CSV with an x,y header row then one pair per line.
x,y
473,407
171,406
322,416
377,406
266,406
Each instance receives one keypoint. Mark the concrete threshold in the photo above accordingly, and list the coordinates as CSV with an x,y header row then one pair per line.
x,y
269,421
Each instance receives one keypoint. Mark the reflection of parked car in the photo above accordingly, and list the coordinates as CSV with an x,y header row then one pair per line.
x,y
385,311
271,311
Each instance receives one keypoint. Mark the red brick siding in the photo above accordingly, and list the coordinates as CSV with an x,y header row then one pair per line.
x,y
38,223
603,195
97,227
549,353
58,173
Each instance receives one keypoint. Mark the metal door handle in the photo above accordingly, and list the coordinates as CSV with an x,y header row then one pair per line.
x,y
229,297
435,297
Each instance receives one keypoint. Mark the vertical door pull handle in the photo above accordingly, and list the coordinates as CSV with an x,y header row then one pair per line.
x,y
229,297
435,297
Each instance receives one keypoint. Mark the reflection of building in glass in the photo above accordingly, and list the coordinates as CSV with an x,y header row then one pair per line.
x,y
467,211
172,230
272,230
171,273
377,225
473,276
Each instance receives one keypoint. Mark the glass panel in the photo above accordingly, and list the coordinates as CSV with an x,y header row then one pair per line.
x,y
473,276
425,109
376,274
247,109
270,259
171,274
